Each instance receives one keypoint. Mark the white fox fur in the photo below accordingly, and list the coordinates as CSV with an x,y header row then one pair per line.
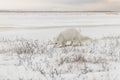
x,y
71,35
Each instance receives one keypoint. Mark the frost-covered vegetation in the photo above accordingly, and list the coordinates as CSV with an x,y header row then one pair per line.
x,y
27,59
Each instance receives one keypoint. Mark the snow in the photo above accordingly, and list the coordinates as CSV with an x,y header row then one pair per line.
x,y
58,19
30,55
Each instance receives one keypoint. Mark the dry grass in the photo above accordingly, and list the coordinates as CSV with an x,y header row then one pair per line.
x,y
72,59
52,62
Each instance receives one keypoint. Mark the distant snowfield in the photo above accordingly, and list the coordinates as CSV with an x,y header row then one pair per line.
x,y
57,19
107,24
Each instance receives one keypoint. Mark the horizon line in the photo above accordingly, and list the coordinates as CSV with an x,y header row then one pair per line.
x,y
60,26
55,11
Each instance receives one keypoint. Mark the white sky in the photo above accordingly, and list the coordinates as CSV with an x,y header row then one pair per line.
x,y
60,5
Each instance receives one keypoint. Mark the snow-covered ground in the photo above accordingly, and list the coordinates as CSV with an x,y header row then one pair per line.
x,y
30,55
57,19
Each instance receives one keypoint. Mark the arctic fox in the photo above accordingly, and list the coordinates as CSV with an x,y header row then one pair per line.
x,y
69,35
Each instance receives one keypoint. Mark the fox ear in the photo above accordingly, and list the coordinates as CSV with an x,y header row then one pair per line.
x,y
79,30
55,38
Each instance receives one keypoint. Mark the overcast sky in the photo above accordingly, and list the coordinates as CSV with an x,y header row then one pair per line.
x,y
80,5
